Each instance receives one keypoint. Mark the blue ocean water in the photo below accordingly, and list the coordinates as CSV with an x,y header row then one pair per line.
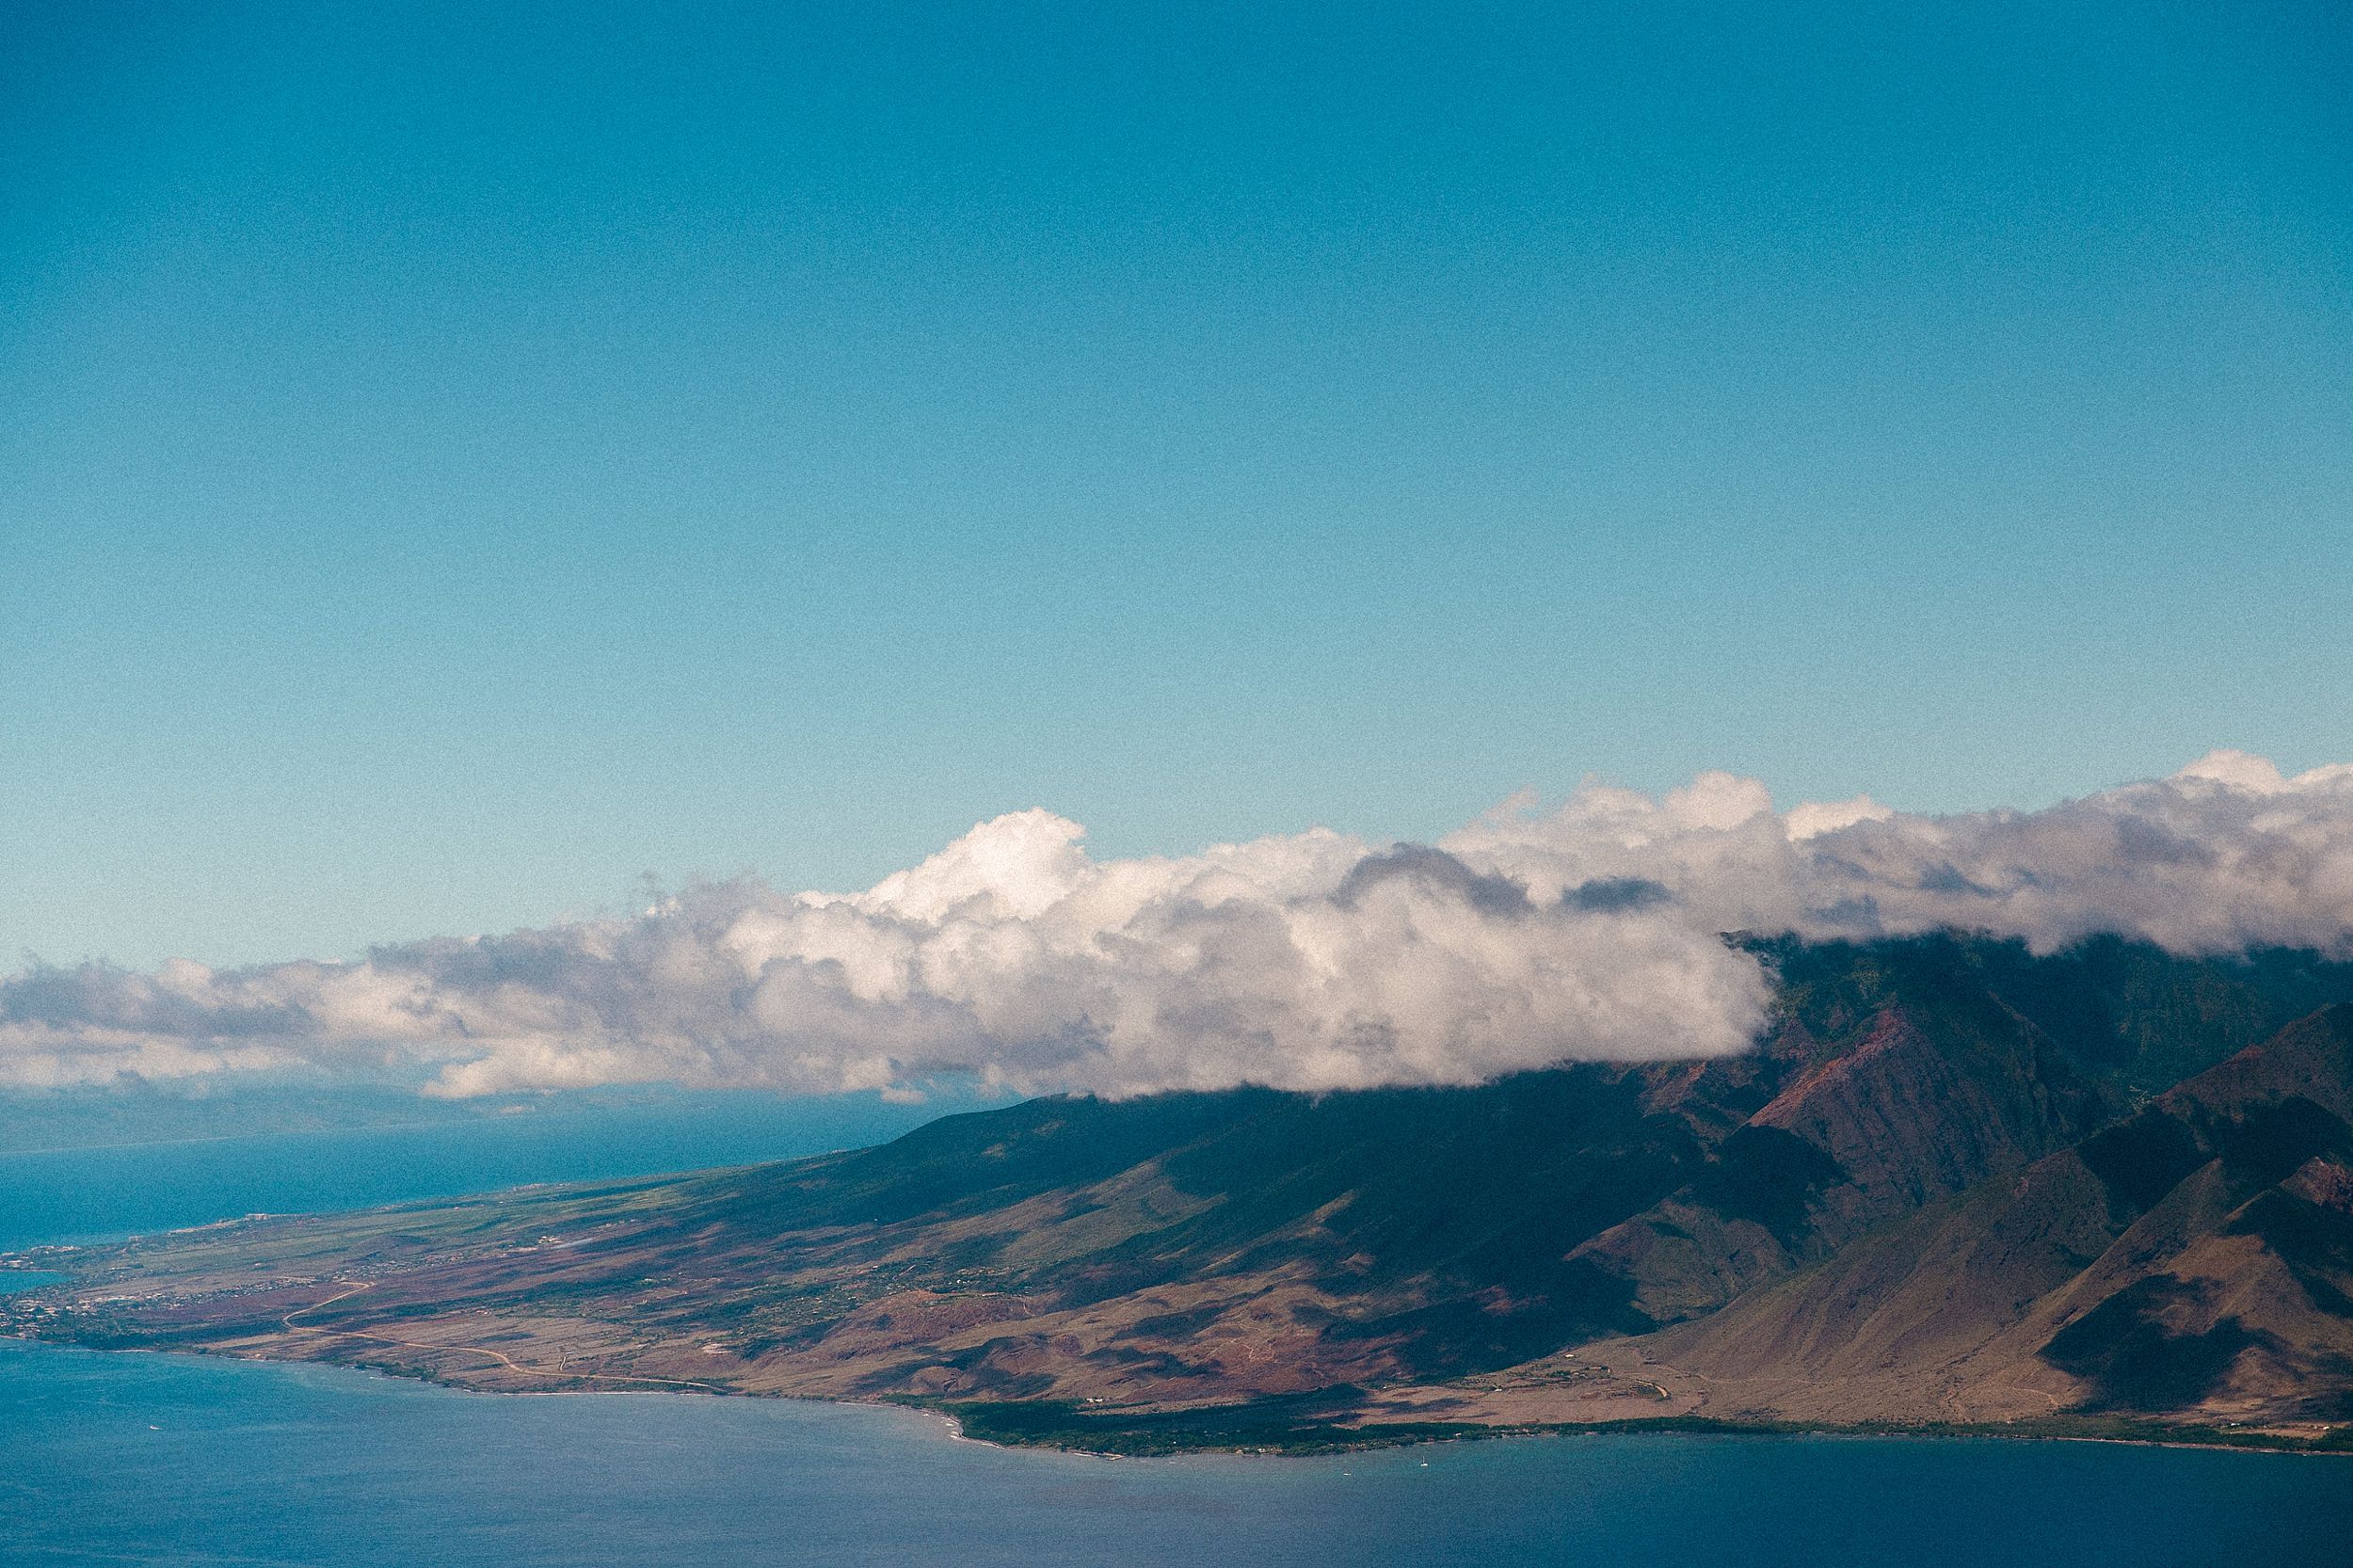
x,y
185,1461
142,1185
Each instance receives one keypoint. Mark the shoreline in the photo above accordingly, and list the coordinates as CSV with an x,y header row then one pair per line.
x,y
1307,1441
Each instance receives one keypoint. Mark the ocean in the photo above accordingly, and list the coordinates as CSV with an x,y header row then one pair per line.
x,y
157,1459
84,1178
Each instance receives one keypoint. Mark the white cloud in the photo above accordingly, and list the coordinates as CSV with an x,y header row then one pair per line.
x,y
1812,819
1314,961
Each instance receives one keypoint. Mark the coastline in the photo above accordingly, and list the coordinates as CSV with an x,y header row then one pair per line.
x,y
1017,1425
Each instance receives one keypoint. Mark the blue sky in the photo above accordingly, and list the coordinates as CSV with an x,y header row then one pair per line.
x,y
453,462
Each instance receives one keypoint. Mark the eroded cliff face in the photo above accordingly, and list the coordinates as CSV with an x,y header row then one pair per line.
x,y
1941,1189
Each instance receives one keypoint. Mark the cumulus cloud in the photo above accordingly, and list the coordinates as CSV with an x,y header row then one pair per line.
x,y
1588,931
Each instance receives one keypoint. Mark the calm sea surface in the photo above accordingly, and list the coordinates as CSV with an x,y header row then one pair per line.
x,y
172,1460
154,1459
112,1189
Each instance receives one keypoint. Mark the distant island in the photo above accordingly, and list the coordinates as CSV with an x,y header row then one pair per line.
x,y
1956,1187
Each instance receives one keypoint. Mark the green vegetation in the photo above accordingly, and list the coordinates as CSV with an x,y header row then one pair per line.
x,y
1288,1426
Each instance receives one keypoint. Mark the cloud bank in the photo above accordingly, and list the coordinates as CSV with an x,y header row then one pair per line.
x,y
1588,931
